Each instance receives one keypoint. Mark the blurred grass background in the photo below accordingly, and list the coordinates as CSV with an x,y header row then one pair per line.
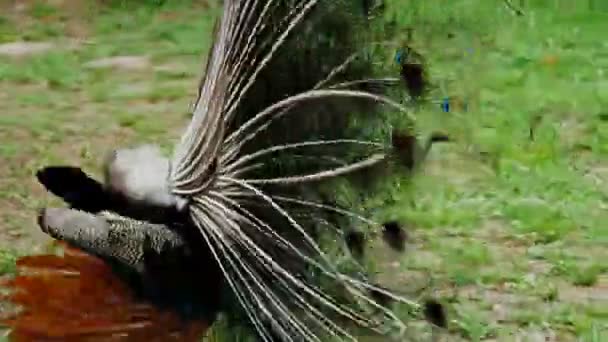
x,y
508,228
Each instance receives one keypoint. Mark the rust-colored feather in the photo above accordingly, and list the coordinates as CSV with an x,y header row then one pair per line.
x,y
78,297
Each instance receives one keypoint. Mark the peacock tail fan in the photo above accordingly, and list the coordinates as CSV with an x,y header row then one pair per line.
x,y
79,297
299,228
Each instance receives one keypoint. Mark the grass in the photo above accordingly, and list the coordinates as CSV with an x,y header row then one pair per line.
x,y
509,229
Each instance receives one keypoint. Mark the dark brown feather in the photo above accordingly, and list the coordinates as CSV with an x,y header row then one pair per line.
x,y
409,150
413,75
405,145
435,313
394,236
355,241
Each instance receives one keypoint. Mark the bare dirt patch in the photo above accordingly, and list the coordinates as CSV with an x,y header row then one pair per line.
x,y
571,130
23,49
598,174
455,168
121,62
597,294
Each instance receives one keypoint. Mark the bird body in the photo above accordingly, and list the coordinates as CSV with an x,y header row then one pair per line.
x,y
238,208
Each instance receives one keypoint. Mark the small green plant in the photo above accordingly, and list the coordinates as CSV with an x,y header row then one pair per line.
x,y
586,276
41,9
548,292
7,262
472,325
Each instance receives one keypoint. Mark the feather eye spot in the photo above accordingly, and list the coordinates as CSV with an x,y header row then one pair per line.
x,y
394,235
434,312
355,241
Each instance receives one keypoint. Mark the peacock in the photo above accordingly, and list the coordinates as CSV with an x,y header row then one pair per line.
x,y
245,218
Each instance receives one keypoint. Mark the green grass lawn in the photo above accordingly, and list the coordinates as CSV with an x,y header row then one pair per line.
x,y
511,231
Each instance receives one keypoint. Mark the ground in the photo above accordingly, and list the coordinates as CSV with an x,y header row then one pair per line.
x,y
509,227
